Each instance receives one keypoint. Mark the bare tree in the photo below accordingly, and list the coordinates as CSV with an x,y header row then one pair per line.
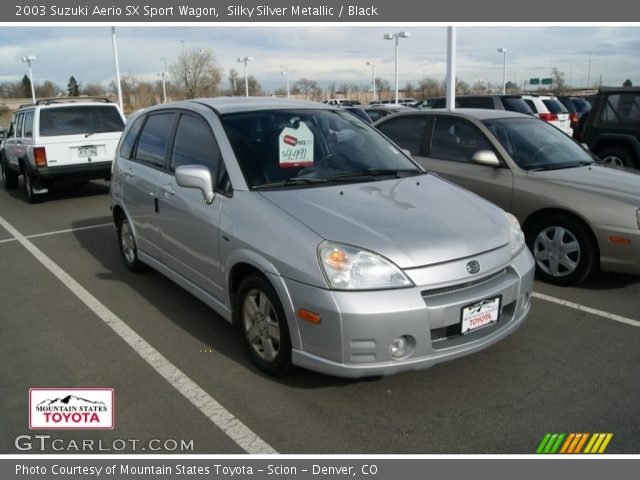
x,y
197,73
409,89
94,90
462,87
558,80
331,90
428,87
47,89
306,87
234,82
383,88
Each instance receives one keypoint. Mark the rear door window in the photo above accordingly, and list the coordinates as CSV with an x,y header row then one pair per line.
x,y
407,133
28,124
154,138
457,140
78,119
130,139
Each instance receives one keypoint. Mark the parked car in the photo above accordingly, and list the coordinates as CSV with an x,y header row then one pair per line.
x,y
60,139
612,128
576,215
340,102
549,109
576,106
359,112
513,103
376,112
327,245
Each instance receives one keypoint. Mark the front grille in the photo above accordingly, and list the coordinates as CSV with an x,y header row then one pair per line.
x,y
461,286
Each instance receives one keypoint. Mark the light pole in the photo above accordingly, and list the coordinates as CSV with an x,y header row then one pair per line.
x,y
504,69
28,59
396,36
115,61
245,60
373,79
163,74
285,71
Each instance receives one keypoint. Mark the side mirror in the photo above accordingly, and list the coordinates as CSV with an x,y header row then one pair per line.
x,y
196,176
585,146
485,157
406,152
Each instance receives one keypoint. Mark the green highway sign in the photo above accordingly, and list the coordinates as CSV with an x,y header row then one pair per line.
x,y
547,81
534,81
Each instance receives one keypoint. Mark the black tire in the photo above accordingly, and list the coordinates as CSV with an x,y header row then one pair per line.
x,y
264,328
32,197
127,244
563,248
9,177
618,157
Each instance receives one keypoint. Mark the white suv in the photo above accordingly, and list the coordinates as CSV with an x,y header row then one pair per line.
x,y
550,109
60,139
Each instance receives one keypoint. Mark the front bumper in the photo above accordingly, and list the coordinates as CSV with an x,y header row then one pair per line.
x,y
619,257
357,328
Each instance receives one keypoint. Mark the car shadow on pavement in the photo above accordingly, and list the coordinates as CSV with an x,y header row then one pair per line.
x,y
64,191
182,308
609,281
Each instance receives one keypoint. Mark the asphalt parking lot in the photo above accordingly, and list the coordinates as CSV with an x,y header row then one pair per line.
x,y
565,370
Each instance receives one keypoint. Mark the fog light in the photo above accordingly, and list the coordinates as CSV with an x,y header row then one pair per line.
x,y
401,346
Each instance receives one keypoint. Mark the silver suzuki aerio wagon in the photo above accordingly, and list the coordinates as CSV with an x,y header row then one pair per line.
x,y
322,240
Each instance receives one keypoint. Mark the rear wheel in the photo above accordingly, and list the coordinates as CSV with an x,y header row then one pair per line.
x,y
128,248
9,177
563,248
618,157
263,324
29,180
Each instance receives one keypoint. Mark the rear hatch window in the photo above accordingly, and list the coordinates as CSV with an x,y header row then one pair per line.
x,y
74,120
516,104
554,106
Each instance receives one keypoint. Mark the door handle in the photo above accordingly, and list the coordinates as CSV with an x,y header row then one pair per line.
x,y
168,189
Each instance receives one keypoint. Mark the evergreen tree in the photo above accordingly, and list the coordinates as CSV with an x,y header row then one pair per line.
x,y
73,89
25,87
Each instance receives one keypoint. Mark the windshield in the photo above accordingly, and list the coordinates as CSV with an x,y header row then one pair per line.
x,y
79,119
287,148
535,145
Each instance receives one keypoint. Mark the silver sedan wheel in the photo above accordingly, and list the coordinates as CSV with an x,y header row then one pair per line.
x,y
613,160
557,251
127,242
261,325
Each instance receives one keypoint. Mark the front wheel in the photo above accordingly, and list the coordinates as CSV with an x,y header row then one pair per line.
x,y
563,248
263,324
9,177
617,157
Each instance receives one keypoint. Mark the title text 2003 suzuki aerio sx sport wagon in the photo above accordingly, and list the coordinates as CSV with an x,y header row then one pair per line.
x,y
323,241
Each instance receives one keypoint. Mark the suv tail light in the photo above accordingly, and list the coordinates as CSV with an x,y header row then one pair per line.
x,y
573,117
40,156
549,117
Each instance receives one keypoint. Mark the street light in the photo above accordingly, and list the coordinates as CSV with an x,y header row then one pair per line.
x,y
396,36
504,69
285,71
245,60
373,79
28,59
163,74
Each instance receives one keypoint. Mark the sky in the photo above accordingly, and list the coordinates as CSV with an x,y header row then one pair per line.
x,y
327,53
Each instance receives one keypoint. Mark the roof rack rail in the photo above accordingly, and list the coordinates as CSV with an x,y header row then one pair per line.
x,y
48,101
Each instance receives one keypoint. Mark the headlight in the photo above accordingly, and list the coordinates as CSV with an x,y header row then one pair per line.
x,y
516,237
352,268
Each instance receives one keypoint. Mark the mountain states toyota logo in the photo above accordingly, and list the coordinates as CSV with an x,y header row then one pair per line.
x,y
71,408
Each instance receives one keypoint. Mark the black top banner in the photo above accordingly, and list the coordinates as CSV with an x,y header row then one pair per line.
x,y
208,11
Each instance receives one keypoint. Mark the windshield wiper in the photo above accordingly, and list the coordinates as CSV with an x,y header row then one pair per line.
x,y
378,172
290,182
560,166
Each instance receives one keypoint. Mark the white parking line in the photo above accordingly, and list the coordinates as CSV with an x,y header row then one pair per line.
x,y
582,308
56,232
221,417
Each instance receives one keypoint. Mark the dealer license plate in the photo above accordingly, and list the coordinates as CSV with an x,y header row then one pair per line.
x,y
480,314
89,151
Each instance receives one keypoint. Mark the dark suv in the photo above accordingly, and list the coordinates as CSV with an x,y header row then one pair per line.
x,y
513,103
611,130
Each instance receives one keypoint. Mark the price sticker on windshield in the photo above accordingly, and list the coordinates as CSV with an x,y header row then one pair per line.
x,y
296,147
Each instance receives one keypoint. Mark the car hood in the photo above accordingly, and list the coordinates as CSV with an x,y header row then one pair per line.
x,y
620,183
413,221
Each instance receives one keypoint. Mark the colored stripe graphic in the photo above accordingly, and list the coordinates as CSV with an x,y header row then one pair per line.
x,y
573,443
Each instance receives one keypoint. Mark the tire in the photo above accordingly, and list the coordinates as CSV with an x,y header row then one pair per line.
x,y
563,248
9,177
263,325
127,244
617,157
32,197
